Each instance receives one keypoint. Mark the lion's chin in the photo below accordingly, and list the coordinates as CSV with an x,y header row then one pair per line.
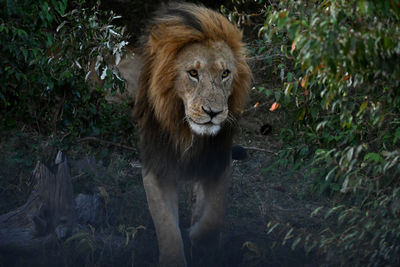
x,y
204,129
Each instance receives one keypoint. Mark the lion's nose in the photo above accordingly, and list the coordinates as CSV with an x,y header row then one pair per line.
x,y
210,112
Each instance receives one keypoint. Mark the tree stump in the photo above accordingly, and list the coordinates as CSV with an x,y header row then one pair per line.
x,y
49,228
48,216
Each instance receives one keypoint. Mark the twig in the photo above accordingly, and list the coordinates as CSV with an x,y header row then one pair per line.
x,y
77,177
262,57
65,135
260,149
254,107
90,138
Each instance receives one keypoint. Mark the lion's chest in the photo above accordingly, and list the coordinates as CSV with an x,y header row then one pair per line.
x,y
208,162
207,157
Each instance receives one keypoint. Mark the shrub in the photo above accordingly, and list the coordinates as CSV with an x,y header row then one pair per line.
x,y
339,63
345,91
46,52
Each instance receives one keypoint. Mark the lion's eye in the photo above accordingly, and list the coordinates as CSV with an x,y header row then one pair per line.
x,y
225,74
194,73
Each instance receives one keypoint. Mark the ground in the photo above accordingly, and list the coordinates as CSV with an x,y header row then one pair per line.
x,y
262,194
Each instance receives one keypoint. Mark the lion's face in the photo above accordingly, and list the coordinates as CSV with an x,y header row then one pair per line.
x,y
204,83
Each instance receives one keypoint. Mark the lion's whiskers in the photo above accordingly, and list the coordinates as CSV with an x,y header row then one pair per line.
x,y
231,119
185,118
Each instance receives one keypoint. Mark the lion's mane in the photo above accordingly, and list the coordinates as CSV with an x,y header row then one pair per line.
x,y
168,147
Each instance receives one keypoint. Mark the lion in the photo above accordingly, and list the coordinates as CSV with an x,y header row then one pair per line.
x,y
193,84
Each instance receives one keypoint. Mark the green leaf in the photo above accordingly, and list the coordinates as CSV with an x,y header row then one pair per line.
x,y
376,158
272,228
316,211
363,6
25,53
290,76
350,153
277,95
288,88
288,236
332,210
295,243
302,114
396,135
330,173
267,92
363,106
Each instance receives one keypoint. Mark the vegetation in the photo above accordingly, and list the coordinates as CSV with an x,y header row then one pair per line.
x,y
339,63
49,50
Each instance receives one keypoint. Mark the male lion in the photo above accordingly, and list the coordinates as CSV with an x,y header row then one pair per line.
x,y
193,84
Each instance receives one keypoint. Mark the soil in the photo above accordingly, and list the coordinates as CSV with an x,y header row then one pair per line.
x,y
261,195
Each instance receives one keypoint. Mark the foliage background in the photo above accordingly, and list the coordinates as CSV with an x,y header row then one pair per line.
x,y
338,62
49,49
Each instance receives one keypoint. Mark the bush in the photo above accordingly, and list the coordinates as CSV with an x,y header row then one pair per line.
x,y
339,63
344,94
47,49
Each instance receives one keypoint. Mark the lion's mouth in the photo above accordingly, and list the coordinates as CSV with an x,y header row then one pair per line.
x,y
209,123
205,128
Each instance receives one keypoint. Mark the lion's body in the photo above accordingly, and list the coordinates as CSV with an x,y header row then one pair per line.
x,y
193,84
129,68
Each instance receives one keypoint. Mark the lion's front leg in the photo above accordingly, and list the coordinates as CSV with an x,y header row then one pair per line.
x,y
209,209
162,199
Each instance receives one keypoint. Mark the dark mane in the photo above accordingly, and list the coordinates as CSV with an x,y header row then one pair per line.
x,y
187,18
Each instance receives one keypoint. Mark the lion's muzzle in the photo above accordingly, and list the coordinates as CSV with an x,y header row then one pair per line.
x,y
204,120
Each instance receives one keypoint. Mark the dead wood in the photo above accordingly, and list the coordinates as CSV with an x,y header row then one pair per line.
x,y
52,228
48,215
90,138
